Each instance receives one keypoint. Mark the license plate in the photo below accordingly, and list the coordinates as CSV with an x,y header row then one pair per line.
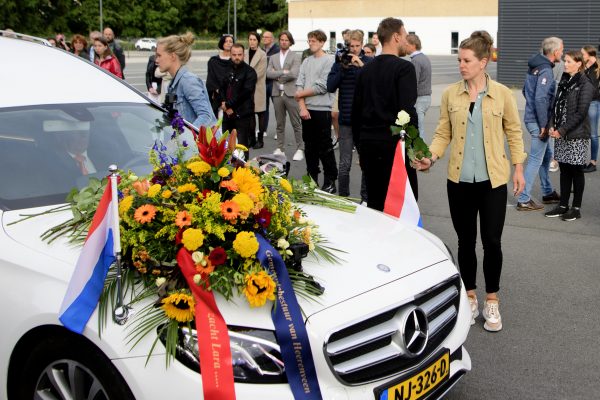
x,y
418,385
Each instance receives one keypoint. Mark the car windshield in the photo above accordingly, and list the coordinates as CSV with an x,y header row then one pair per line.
x,y
46,150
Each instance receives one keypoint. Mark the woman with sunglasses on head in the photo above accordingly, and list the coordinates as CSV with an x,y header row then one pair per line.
x,y
569,125
218,67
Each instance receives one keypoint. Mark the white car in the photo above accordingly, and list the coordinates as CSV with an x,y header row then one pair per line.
x,y
392,320
145,44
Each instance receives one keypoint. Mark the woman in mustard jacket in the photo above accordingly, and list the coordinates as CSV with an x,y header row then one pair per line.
x,y
476,115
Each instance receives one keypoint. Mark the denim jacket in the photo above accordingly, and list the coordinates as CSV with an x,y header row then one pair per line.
x,y
192,98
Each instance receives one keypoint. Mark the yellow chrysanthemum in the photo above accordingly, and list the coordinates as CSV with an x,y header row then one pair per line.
x,y
125,204
223,172
154,190
188,187
247,182
285,185
192,238
260,287
179,306
167,194
245,203
245,244
199,167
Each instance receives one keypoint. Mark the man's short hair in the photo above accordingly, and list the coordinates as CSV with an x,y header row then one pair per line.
x,y
356,35
414,40
318,34
289,36
238,46
387,28
550,45
345,31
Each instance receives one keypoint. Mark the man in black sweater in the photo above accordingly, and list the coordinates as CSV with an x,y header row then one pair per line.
x,y
237,97
386,86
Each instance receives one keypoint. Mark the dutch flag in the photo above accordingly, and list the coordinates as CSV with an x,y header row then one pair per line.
x,y
97,254
400,201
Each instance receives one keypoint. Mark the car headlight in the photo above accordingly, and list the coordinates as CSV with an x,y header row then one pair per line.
x,y
255,354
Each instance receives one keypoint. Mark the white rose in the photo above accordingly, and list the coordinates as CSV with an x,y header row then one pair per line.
x,y
197,256
283,244
403,118
197,279
302,221
160,281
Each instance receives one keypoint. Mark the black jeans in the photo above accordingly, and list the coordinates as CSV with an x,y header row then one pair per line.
x,y
316,134
571,176
466,200
376,161
261,128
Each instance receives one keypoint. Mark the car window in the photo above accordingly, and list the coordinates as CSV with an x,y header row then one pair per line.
x,y
47,150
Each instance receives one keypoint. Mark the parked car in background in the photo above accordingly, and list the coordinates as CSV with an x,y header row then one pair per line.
x,y
146,44
392,320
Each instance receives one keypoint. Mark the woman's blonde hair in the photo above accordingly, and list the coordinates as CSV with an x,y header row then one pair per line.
x,y
480,42
181,45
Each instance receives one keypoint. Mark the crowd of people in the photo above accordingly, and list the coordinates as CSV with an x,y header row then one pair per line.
x,y
352,98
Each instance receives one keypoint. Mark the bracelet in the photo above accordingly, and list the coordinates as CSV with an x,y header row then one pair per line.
x,y
432,162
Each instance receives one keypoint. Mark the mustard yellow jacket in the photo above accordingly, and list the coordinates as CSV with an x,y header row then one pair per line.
x,y
500,119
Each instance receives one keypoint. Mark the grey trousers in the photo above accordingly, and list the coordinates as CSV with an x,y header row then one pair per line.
x,y
282,104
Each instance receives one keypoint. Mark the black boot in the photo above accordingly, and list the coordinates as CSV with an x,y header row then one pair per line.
x,y
329,187
258,145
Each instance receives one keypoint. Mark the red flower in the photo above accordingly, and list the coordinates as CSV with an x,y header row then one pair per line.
x,y
217,256
211,150
264,218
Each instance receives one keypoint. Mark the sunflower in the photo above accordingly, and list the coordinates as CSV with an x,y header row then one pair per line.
x,y
245,204
183,218
192,238
260,287
285,185
179,306
245,244
230,210
248,182
145,213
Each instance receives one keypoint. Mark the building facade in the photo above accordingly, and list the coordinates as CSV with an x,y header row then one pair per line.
x,y
524,24
440,24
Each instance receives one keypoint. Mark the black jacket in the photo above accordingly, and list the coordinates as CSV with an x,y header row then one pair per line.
x,y
577,125
118,52
237,90
150,77
591,73
344,78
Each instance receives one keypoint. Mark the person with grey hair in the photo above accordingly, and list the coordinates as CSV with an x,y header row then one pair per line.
x,y
115,47
539,90
423,71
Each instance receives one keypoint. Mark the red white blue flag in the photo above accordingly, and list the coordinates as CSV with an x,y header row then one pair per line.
x,y
400,200
97,255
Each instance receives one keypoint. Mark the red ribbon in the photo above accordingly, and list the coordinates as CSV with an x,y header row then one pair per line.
x,y
394,200
213,337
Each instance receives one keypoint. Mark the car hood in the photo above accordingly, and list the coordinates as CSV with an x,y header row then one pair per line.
x,y
374,249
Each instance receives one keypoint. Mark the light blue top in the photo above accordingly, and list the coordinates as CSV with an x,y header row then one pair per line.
x,y
192,98
474,167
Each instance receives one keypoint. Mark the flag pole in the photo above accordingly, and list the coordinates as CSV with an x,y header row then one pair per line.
x,y
121,312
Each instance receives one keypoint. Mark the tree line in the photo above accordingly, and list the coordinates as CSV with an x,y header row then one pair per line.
x,y
140,18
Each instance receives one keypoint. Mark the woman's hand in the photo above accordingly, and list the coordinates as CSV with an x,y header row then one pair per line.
x,y
423,164
518,180
554,133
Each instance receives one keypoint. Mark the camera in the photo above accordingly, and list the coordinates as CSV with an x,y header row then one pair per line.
x,y
343,55
169,104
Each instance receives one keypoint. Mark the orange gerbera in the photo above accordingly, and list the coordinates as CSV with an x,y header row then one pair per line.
x,y
145,213
230,210
205,269
183,218
229,185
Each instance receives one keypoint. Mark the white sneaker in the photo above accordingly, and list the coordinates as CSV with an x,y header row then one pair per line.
x,y
491,313
275,136
553,166
474,308
278,152
298,155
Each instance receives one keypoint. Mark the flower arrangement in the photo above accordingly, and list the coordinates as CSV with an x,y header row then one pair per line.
x,y
416,148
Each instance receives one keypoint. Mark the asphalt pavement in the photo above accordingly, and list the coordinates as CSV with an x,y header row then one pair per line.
x,y
549,347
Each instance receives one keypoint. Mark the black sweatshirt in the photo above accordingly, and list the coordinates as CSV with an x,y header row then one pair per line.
x,y
385,86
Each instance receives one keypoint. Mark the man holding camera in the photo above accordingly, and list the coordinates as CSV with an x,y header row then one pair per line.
x,y
349,61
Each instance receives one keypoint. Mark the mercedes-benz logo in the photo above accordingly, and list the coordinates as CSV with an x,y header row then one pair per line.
x,y
415,332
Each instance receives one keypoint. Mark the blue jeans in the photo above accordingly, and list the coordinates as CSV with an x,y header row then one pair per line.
x,y
538,162
594,116
422,105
